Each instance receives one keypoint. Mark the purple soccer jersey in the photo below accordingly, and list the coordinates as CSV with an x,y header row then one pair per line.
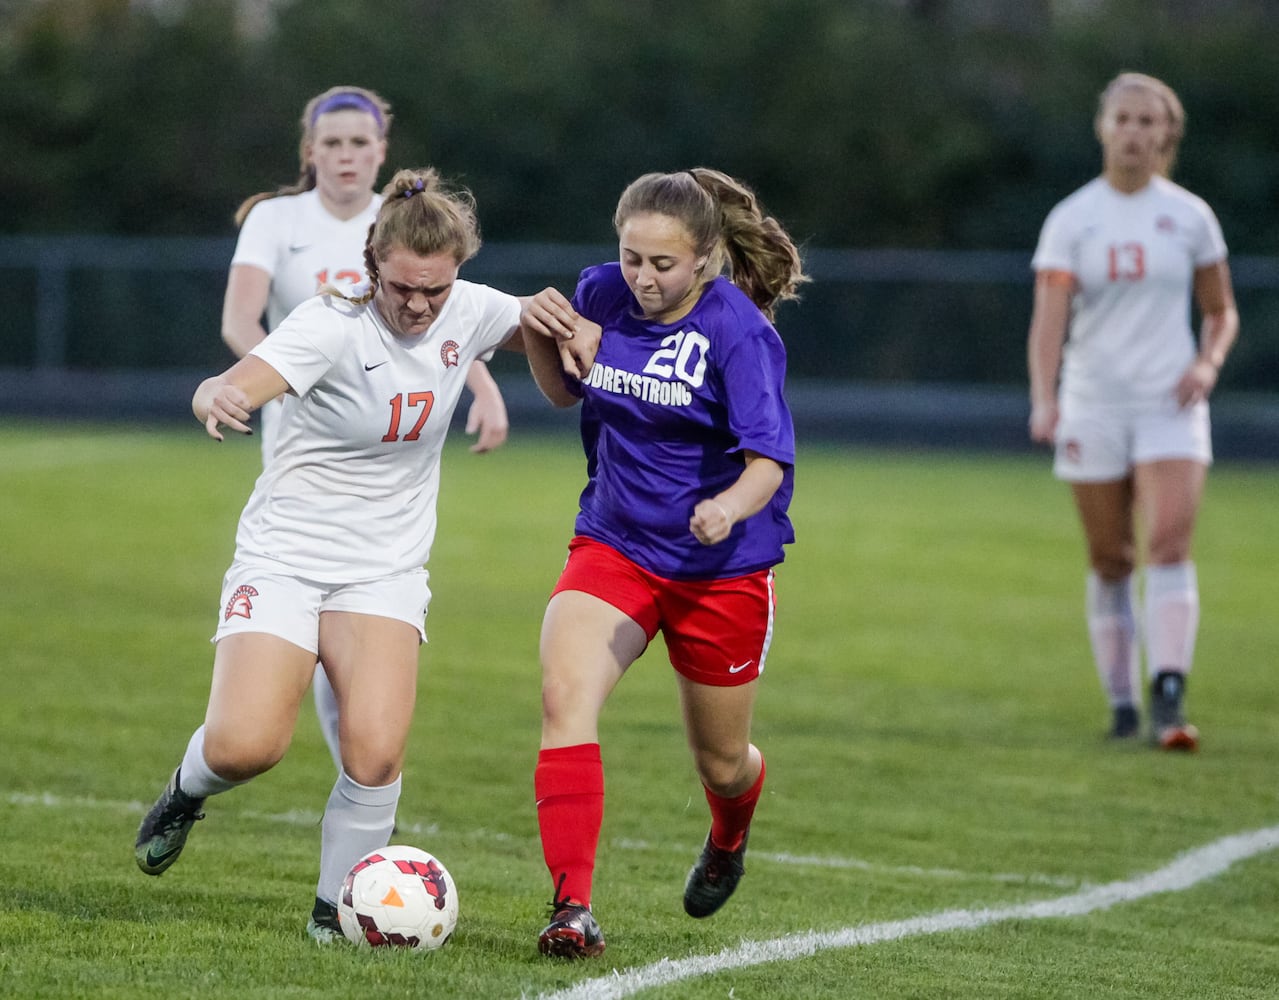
x,y
668,411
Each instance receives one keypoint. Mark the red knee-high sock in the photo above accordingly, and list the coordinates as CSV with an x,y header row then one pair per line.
x,y
730,818
569,785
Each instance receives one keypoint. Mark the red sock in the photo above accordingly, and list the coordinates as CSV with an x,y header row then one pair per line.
x,y
730,818
569,785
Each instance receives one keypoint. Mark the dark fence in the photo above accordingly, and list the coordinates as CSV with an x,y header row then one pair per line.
x,y
887,346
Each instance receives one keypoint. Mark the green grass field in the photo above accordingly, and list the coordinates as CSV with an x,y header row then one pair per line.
x,y
930,715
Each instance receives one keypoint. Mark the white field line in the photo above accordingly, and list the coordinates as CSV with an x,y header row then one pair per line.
x,y
305,818
1182,873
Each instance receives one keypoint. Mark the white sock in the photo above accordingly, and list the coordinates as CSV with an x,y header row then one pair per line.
x,y
1112,627
357,819
326,710
195,777
1172,617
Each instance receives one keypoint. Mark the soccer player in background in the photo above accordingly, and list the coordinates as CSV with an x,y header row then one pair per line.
x,y
690,450
332,545
295,240
1124,397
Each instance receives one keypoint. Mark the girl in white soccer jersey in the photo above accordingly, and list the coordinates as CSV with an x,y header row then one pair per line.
x,y
296,240
1124,398
332,544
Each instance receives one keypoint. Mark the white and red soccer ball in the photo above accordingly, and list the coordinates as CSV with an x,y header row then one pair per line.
x,y
398,896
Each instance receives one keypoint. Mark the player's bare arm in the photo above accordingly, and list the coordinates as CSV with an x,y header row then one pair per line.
x,y
230,398
1215,297
714,517
247,291
1048,323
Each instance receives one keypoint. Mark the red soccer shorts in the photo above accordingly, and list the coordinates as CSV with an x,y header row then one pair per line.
x,y
716,631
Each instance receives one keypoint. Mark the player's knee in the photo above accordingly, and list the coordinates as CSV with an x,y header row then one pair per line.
x,y
239,759
1112,564
562,701
372,759
721,771
1168,548
374,773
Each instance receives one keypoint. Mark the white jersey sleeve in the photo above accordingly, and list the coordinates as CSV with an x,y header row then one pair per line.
x,y
259,239
306,345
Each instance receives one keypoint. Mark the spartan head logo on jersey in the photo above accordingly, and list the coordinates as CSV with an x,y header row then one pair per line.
x,y
240,603
448,353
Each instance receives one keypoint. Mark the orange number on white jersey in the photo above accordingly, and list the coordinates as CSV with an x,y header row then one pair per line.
x,y
1127,261
425,400
351,277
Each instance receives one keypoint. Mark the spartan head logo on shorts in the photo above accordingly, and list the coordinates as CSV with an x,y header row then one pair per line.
x,y
448,353
240,603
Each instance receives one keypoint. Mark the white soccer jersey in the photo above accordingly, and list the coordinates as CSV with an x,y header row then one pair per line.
x,y
295,240
1133,257
351,491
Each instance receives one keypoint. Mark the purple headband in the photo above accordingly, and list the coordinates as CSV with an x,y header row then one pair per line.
x,y
348,101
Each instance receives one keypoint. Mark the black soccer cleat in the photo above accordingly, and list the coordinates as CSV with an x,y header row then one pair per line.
x,y
323,927
1126,723
713,879
163,832
1169,729
573,931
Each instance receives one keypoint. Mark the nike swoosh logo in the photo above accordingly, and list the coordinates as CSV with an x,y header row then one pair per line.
x,y
298,247
154,860
369,368
740,667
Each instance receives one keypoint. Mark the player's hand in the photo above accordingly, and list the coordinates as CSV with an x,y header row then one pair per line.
x,y
218,402
1197,383
487,417
712,521
550,314
578,354
1043,422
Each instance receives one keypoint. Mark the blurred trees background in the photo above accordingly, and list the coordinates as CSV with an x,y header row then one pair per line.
x,y
861,123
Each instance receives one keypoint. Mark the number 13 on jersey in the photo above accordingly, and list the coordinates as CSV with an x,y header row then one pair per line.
x,y
1126,261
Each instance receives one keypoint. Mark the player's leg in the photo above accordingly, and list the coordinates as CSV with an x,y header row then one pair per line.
x,y
718,721
259,681
326,711
1169,493
718,635
372,662
586,646
1106,514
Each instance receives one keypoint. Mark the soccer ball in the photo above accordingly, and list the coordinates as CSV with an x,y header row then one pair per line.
x,y
398,896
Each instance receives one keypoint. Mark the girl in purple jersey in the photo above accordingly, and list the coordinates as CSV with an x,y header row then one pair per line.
x,y
1119,386
690,452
